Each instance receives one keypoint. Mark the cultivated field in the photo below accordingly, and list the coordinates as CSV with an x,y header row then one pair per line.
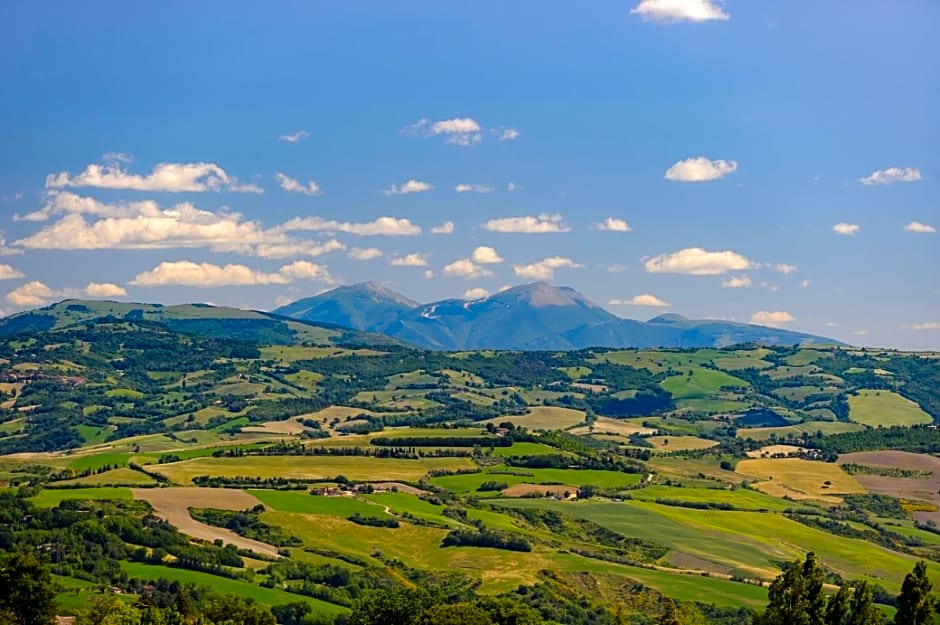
x,y
885,408
799,479
544,418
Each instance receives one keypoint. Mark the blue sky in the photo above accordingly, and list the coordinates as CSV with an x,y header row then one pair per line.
x,y
765,161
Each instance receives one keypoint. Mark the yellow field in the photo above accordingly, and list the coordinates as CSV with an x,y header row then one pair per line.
x,y
885,408
544,418
309,467
680,443
799,479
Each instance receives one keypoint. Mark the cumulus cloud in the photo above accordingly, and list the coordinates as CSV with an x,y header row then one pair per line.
x,y
475,188
292,185
861,333
486,255
364,253
411,260
737,282
892,175
929,325
680,10
476,293
612,224
189,273
545,268
465,268
773,319
297,247
66,203
9,273
700,169
428,273
645,299
511,186
33,293
542,224
103,289
462,131
445,228
846,229
411,186
922,228
804,284
506,134
785,269
695,261
295,137
384,226
170,177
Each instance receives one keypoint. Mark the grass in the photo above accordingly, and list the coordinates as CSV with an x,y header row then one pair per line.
x,y
116,477
885,408
680,443
301,502
740,498
809,427
701,384
226,586
545,418
525,449
94,435
573,477
98,460
49,498
310,467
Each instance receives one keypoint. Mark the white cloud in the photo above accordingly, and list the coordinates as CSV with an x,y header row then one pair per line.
x,y
698,262
832,324
680,10
121,157
545,268
188,273
364,253
462,131
922,228
295,137
737,282
612,224
511,186
385,226
170,177
144,225
411,186
785,269
645,299
31,294
9,273
700,169
542,224
861,333
507,134
293,185
465,268
305,270
616,268
847,229
411,260
930,325
429,274
485,255
296,247
445,228
804,284
103,289
892,175
773,319
476,293
475,188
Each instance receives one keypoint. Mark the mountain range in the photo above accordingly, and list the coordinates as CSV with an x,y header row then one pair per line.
x,y
530,317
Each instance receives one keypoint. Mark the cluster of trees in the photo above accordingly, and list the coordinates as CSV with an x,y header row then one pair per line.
x,y
246,523
798,597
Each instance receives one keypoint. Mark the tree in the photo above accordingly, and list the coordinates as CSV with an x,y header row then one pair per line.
x,y
796,595
915,604
108,610
455,614
504,611
837,609
669,616
238,611
27,593
864,611
402,606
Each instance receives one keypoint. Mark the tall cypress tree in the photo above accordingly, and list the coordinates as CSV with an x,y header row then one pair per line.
x,y
915,603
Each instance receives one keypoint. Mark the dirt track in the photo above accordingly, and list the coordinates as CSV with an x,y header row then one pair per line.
x,y
172,505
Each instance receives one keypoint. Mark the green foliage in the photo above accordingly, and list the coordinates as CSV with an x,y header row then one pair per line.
x,y
27,593
915,603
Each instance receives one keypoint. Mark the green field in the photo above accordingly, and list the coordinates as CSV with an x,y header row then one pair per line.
x,y
49,498
884,408
518,475
301,502
224,585
702,384
809,427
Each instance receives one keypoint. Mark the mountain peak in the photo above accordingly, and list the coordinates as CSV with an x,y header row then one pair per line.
x,y
668,318
542,294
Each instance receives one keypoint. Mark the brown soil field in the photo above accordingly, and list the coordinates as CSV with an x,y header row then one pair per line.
x,y
925,490
173,504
